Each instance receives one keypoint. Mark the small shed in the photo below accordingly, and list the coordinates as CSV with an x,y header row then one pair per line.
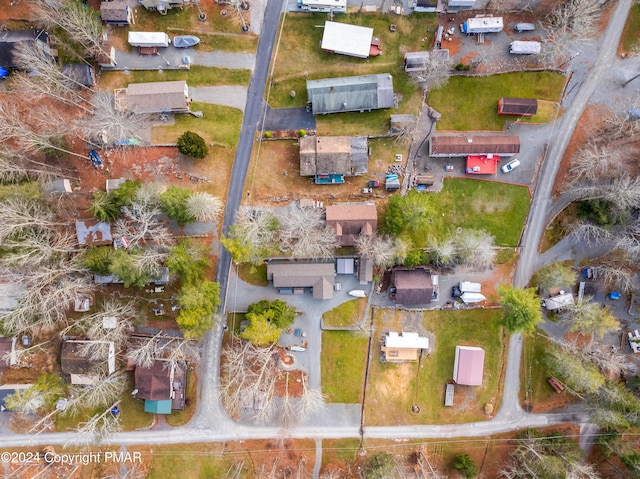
x,y
404,346
116,13
392,184
346,39
468,367
449,395
416,61
57,187
345,266
81,74
114,184
517,106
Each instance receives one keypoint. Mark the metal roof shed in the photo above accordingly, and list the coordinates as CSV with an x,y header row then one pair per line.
x,y
468,367
416,61
356,93
345,39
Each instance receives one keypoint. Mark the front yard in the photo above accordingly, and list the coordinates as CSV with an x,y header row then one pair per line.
x,y
498,208
393,389
343,364
471,103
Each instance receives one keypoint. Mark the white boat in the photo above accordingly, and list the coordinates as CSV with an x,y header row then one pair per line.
x,y
185,41
470,298
358,293
297,348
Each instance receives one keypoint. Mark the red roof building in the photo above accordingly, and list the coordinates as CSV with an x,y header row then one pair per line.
x,y
482,164
468,367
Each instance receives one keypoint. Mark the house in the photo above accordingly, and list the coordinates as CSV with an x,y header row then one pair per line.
x,y
352,220
330,158
428,6
356,93
83,360
413,286
57,187
404,346
162,386
416,61
446,146
163,5
289,275
350,40
9,39
468,366
517,106
482,164
116,13
92,232
154,97
82,74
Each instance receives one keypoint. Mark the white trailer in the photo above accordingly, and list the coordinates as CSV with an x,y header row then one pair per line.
x,y
149,39
326,6
558,302
469,287
472,298
481,24
524,48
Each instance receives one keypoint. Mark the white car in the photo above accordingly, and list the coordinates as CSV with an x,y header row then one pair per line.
x,y
511,165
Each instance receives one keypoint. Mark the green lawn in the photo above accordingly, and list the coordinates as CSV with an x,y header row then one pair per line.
x,y
498,208
196,76
534,388
132,415
343,363
471,103
632,29
227,43
252,274
300,58
392,389
219,125
196,461
347,315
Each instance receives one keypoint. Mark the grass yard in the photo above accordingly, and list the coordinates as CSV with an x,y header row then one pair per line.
x,y
228,43
196,461
534,388
471,103
219,125
252,274
196,76
392,389
347,315
631,33
498,208
343,363
132,415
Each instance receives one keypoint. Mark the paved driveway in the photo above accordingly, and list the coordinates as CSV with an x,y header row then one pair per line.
x,y
171,58
233,96
289,119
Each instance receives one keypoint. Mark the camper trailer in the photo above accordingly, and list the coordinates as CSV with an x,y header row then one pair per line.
x,y
524,48
486,24
149,39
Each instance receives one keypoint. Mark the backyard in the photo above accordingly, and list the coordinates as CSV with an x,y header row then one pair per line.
x,y
347,315
471,103
343,364
498,208
400,386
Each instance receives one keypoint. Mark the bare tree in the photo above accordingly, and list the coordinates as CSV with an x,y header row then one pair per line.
x,y
588,317
249,375
436,73
119,315
617,276
304,234
382,250
141,222
623,191
97,429
590,233
104,390
310,401
475,248
444,251
204,206
144,352
596,162
106,125
82,24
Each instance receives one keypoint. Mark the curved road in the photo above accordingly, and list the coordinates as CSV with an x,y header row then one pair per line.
x,y
212,424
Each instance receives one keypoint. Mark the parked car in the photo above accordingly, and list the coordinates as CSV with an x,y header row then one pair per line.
x,y
524,27
455,292
511,165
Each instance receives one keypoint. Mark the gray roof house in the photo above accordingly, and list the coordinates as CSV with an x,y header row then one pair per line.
x,y
320,277
116,13
413,286
331,158
352,220
10,38
154,97
357,93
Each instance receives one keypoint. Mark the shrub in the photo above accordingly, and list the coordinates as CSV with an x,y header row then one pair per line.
x,y
193,145
268,134
465,465
302,133
175,204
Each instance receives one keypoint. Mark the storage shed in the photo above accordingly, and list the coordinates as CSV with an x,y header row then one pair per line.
x,y
517,106
346,39
468,367
416,61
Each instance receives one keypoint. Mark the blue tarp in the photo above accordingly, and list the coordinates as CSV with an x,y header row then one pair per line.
x,y
4,73
95,158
